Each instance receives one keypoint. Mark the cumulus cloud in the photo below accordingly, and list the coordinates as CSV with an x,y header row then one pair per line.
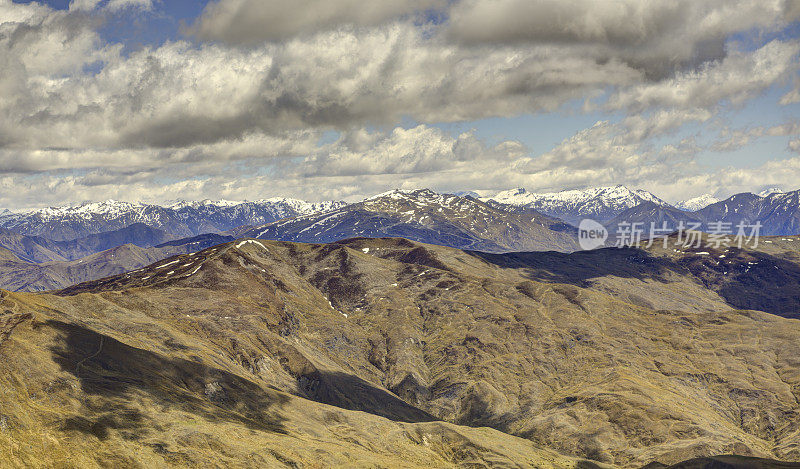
x,y
736,79
238,110
403,151
657,36
254,21
180,94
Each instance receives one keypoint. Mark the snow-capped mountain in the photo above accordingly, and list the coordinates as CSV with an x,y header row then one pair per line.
x,y
770,191
180,219
426,216
601,203
696,203
778,213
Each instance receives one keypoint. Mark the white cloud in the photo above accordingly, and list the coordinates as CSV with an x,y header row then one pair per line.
x,y
793,96
112,6
658,36
735,139
253,21
421,149
83,5
194,120
736,79
181,95
117,5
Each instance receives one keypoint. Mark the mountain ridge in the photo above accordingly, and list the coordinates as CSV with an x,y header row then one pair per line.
x,y
426,216
541,346
180,219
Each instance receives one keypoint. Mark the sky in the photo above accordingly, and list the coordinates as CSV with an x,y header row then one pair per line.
x,y
156,100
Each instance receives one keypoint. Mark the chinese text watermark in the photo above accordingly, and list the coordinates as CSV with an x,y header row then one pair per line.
x,y
719,234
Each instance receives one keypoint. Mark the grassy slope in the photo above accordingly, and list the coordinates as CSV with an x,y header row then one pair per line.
x,y
219,355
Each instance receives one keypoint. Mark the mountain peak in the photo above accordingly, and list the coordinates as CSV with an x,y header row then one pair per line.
x,y
771,191
180,218
696,203
602,203
403,193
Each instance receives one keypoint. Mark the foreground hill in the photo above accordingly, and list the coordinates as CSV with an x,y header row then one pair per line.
x,y
425,216
258,353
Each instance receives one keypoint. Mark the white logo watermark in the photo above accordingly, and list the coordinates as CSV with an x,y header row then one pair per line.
x,y
592,234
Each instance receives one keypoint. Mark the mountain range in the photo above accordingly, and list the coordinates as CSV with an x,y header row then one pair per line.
x,y
426,216
511,221
180,219
41,249
400,354
600,204
65,268
777,213
411,329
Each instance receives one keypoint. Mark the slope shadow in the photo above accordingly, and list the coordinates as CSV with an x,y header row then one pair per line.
x,y
580,267
727,462
117,375
744,279
353,393
367,224
761,282
199,242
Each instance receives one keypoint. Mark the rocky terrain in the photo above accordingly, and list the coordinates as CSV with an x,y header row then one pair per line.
x,y
425,216
779,213
390,352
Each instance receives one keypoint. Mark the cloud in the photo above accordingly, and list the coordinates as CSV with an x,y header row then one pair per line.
x,y
362,163
242,117
180,94
793,96
640,127
254,21
656,36
420,149
731,140
737,78
112,6
117,5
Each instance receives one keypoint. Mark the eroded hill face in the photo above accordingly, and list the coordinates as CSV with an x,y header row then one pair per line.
x,y
277,343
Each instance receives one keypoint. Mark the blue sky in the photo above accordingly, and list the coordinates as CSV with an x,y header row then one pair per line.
x,y
244,99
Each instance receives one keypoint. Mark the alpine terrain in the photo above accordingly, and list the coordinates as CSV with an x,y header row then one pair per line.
x,y
600,204
426,216
402,354
180,219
